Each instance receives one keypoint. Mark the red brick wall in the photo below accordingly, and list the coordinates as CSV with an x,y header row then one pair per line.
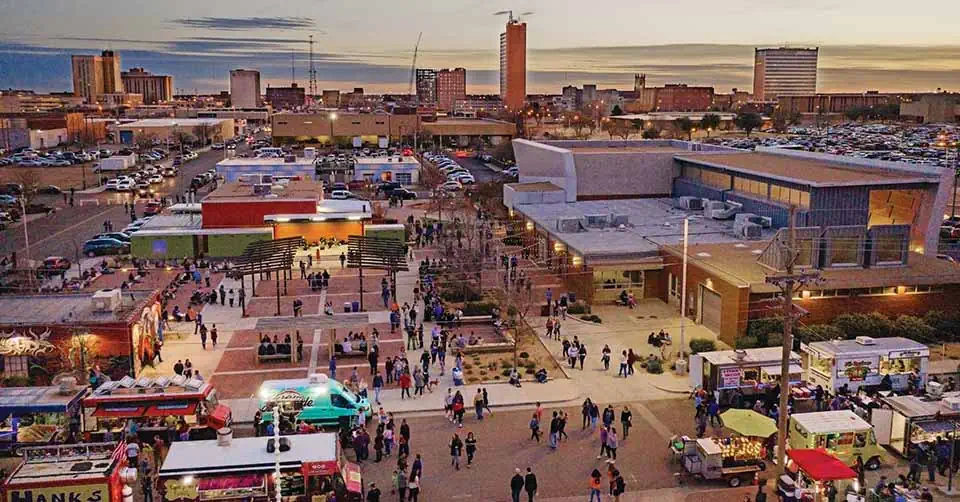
x,y
824,310
250,213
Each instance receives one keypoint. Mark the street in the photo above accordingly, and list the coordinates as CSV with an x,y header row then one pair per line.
x,y
63,232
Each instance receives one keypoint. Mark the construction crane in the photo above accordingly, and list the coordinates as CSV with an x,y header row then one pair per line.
x,y
509,14
413,66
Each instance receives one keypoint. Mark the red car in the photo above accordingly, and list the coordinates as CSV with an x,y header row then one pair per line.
x,y
53,265
152,209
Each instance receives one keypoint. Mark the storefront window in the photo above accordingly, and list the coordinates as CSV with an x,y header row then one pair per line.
x,y
899,366
618,279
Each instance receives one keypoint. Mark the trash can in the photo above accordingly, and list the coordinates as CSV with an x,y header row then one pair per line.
x,y
346,306
681,368
356,306
572,297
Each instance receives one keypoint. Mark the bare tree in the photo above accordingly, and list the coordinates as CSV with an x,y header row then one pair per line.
x,y
144,141
203,132
518,302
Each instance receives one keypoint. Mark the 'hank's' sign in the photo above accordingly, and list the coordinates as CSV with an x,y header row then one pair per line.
x,y
80,493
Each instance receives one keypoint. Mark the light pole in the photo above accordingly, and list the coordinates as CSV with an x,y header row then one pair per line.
x,y
683,286
333,117
944,141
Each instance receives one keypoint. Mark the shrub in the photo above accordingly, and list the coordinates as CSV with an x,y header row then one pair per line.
x,y
761,329
530,370
16,381
818,332
496,377
912,327
531,364
698,345
654,366
467,366
774,340
578,307
505,372
747,342
524,355
875,325
479,308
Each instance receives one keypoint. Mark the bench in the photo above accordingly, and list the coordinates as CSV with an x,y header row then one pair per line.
x,y
352,353
265,358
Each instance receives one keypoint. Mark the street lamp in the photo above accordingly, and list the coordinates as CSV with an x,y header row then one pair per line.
x,y
683,285
333,117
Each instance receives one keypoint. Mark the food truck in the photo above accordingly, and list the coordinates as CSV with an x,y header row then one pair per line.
x,y
88,472
841,433
735,460
243,469
905,421
172,407
865,362
32,416
317,400
751,371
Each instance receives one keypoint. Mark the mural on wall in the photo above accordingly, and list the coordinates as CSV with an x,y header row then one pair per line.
x,y
146,332
26,343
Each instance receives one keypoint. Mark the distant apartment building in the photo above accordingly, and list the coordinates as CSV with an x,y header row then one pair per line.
x,y
330,98
784,71
24,101
451,86
932,108
669,98
731,101
426,85
285,98
513,65
835,103
245,88
94,76
477,104
154,88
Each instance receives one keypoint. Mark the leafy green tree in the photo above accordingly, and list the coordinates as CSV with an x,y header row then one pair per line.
x,y
913,328
686,125
748,122
817,333
710,122
875,325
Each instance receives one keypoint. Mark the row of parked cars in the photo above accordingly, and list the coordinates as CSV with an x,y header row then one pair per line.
x,y
28,157
457,175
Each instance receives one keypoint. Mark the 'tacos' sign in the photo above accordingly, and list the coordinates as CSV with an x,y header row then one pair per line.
x,y
79,493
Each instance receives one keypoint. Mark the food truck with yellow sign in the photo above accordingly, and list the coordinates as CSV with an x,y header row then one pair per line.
x,y
842,433
83,472
866,361
312,467
734,460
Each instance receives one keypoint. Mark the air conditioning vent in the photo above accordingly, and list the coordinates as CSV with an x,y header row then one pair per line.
x,y
598,220
262,188
866,340
620,220
570,225
107,300
690,203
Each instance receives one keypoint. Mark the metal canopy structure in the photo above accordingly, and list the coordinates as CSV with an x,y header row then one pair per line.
x,y
378,254
264,257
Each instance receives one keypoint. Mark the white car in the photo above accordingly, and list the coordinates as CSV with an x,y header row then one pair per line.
x,y
342,195
451,186
156,179
126,186
217,146
111,184
465,179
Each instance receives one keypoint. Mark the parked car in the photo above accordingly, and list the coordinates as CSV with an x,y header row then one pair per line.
x,y
125,186
49,190
120,236
7,200
156,179
152,208
451,186
105,246
342,195
53,265
402,193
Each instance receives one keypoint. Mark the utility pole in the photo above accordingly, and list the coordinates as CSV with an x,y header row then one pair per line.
x,y
787,281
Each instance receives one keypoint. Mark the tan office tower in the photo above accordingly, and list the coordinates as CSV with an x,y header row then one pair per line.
x,y
155,88
245,89
451,86
513,65
94,76
784,71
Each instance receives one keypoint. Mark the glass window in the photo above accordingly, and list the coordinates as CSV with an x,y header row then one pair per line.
x,y
14,366
889,248
899,366
618,279
822,366
805,253
844,251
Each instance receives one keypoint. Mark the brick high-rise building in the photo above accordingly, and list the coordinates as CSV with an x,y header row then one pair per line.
x,y
426,86
95,76
451,86
513,65
155,88
683,98
285,98
784,71
245,89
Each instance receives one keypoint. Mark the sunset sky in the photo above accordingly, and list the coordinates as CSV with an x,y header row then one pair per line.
x,y
880,44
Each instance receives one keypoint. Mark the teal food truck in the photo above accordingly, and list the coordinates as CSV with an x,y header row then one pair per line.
x,y
316,400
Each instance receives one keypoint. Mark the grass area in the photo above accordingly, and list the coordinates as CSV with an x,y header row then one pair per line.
x,y
490,367
63,177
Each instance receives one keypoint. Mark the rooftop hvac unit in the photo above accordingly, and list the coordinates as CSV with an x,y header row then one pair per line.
x,y
618,220
262,188
690,203
727,211
569,225
935,390
952,402
598,220
749,231
763,221
865,340
107,300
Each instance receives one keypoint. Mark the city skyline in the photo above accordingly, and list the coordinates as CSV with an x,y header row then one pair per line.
x,y
567,44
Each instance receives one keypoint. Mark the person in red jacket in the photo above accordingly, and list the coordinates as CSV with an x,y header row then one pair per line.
x,y
405,382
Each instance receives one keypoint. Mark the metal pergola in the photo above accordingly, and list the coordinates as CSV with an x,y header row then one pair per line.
x,y
264,257
378,254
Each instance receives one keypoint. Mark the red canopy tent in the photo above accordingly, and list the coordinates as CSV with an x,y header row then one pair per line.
x,y
820,465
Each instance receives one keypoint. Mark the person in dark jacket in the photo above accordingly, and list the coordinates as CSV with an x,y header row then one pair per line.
x,y
530,484
516,485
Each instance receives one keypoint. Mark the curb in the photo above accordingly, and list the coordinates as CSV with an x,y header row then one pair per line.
x,y
671,391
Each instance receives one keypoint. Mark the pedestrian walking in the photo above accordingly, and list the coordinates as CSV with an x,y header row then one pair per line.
x,y
603,442
516,485
478,404
486,401
333,367
414,486
595,485
214,335
626,421
343,260
471,445
405,385
530,484
605,357
197,323
594,415
223,295
378,444
456,448
373,494
582,354
612,443
585,413
203,336
400,484
554,430
535,428
377,385
619,486
623,364
231,297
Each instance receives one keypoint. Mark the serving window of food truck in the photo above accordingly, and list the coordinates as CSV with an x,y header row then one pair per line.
x,y
314,400
749,371
243,469
905,421
32,416
867,362
172,407
842,433
84,472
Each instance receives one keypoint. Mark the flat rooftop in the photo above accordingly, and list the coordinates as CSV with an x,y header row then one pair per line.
x,y
651,223
65,309
882,345
760,355
266,161
804,170
627,149
537,186
174,221
737,261
247,454
295,189
171,123
387,160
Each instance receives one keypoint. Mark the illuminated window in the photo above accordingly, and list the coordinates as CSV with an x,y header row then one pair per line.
x,y
889,249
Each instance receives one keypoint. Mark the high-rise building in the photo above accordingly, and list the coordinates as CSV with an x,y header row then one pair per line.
x,y
513,65
285,98
245,89
155,88
426,86
451,86
784,71
94,76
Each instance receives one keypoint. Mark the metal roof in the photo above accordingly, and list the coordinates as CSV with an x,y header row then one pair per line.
x,y
831,421
880,346
765,355
247,454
